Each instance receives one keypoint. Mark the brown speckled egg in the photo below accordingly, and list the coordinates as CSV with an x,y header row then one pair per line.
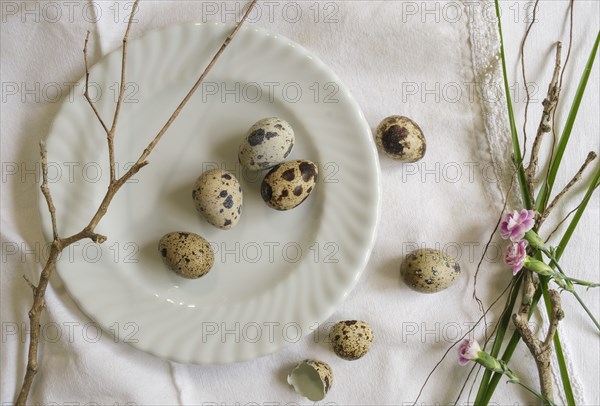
x,y
400,138
267,143
289,184
351,339
186,254
311,379
429,271
217,195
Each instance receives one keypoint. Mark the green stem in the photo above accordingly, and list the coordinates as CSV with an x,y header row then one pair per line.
x,y
580,282
517,158
533,391
588,311
508,352
575,220
502,327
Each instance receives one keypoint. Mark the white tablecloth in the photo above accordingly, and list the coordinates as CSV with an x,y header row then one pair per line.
x,y
425,60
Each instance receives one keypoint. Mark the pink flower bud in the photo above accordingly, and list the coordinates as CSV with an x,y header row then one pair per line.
x,y
516,224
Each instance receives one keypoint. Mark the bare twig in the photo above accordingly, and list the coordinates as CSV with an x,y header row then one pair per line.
x,y
565,219
549,104
46,189
113,127
591,156
528,101
31,285
542,350
562,74
88,232
158,136
86,93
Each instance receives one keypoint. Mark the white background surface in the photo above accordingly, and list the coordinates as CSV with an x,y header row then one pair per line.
x,y
397,58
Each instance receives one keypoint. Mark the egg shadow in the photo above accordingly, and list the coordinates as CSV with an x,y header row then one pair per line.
x,y
320,337
283,372
388,277
180,202
150,257
226,152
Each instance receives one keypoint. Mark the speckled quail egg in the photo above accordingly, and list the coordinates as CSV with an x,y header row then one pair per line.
x,y
267,143
429,271
218,198
400,138
289,184
351,339
186,254
311,379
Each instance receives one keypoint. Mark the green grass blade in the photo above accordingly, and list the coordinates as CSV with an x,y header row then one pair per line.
x,y
518,159
508,352
499,338
546,189
575,220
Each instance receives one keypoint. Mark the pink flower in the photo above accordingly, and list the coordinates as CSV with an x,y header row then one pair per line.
x,y
515,255
468,351
515,224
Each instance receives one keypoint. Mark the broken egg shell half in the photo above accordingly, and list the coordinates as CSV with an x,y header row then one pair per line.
x,y
218,198
187,254
311,379
400,138
429,271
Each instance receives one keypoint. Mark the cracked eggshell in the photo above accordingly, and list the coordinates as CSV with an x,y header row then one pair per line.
x,y
218,198
351,339
187,254
289,184
400,138
268,143
429,271
311,379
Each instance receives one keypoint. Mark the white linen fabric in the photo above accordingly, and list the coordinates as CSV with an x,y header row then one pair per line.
x,y
431,61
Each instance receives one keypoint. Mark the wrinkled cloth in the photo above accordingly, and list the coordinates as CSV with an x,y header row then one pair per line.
x,y
418,59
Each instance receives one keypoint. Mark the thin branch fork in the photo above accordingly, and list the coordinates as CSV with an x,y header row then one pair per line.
x,y
58,243
591,157
549,104
86,93
542,350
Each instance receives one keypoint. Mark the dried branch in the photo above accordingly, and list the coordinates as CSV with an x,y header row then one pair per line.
x,y
562,74
542,350
58,243
591,156
86,93
158,136
46,189
549,104
113,127
565,219
31,285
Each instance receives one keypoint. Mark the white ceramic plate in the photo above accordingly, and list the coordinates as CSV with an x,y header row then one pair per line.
x,y
276,274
